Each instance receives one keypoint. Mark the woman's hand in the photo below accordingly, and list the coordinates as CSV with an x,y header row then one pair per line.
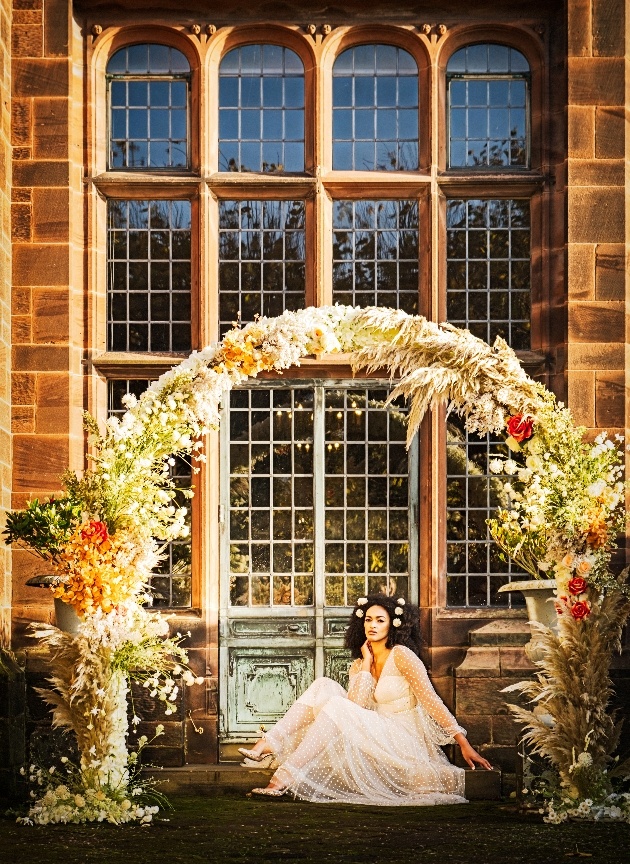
x,y
366,656
470,754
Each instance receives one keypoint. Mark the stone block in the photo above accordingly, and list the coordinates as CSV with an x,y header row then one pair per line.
x,y
608,27
596,81
50,128
483,785
597,322
22,388
610,271
21,329
501,757
27,40
40,358
581,397
50,215
610,133
479,663
514,662
40,264
444,660
610,400
50,316
45,173
581,131
169,757
57,16
39,77
152,710
579,26
202,749
21,153
478,727
504,730
21,196
28,4
596,215
581,271
22,419
21,301
21,120
445,688
501,632
173,735
27,16
482,696
596,172
21,223
39,461
52,403
595,355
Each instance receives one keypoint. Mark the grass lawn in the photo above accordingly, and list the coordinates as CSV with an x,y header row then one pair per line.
x,y
233,828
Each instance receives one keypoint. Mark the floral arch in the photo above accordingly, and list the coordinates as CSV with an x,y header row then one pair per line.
x,y
102,538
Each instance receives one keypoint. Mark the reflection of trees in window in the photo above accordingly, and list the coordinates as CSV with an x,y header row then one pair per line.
x,y
375,110
262,254
148,88
488,107
261,110
476,567
375,253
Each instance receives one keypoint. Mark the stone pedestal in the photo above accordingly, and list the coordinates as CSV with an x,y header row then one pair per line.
x,y
495,659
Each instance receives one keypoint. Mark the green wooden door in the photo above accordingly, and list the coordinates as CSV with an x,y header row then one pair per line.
x,y
319,506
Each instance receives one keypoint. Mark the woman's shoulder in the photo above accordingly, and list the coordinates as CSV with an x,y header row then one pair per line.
x,y
401,652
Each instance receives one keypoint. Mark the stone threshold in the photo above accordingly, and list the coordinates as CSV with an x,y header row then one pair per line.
x,y
216,780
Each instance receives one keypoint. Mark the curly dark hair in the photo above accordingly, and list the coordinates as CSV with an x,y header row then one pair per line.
x,y
407,634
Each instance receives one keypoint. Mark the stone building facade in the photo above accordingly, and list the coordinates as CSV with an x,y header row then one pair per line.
x,y
64,185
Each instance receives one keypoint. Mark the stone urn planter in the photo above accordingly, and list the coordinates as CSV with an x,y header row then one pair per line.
x,y
66,618
539,595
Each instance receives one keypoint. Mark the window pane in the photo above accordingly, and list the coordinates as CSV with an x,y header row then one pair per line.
x,y
368,133
149,275
148,116
172,583
257,81
487,115
475,566
261,259
375,253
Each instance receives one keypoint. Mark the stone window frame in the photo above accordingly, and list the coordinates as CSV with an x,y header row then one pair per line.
x,y
431,184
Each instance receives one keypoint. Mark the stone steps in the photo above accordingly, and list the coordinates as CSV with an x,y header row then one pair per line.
x,y
216,780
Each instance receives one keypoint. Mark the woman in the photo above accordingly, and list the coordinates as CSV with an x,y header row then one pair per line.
x,y
379,742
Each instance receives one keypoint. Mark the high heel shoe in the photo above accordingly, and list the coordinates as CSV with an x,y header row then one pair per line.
x,y
253,755
267,760
270,792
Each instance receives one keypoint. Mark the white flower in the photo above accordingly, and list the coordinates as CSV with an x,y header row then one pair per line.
x,y
398,610
401,601
496,466
396,622
359,613
79,800
362,601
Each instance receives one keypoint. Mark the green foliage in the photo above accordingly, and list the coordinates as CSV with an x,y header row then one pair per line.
x,y
44,527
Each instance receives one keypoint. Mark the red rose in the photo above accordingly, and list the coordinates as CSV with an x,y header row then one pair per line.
x,y
577,585
520,428
96,532
580,609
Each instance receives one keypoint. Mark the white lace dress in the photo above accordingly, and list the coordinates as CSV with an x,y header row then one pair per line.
x,y
379,743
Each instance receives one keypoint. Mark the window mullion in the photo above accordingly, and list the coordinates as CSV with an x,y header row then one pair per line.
x,y
319,516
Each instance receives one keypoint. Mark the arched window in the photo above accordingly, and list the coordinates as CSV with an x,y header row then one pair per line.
x,y
148,103
375,116
488,99
261,110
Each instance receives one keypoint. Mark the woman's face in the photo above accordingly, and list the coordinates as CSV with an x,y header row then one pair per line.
x,y
376,624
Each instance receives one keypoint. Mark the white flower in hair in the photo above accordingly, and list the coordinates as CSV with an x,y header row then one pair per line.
x,y
361,601
359,613
401,601
398,610
396,622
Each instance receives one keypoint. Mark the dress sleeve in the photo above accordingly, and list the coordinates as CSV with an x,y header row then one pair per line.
x,y
413,669
361,688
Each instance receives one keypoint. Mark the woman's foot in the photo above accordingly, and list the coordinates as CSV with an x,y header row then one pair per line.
x,y
273,790
260,749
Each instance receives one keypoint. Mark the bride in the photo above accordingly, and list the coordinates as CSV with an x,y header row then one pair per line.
x,y
379,743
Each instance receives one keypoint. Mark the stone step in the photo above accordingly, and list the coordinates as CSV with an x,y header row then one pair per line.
x,y
215,780
513,634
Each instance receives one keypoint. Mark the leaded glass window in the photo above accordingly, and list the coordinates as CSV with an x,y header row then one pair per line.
x,y
262,259
322,495
375,110
375,254
148,107
488,268
488,107
171,584
261,110
149,275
